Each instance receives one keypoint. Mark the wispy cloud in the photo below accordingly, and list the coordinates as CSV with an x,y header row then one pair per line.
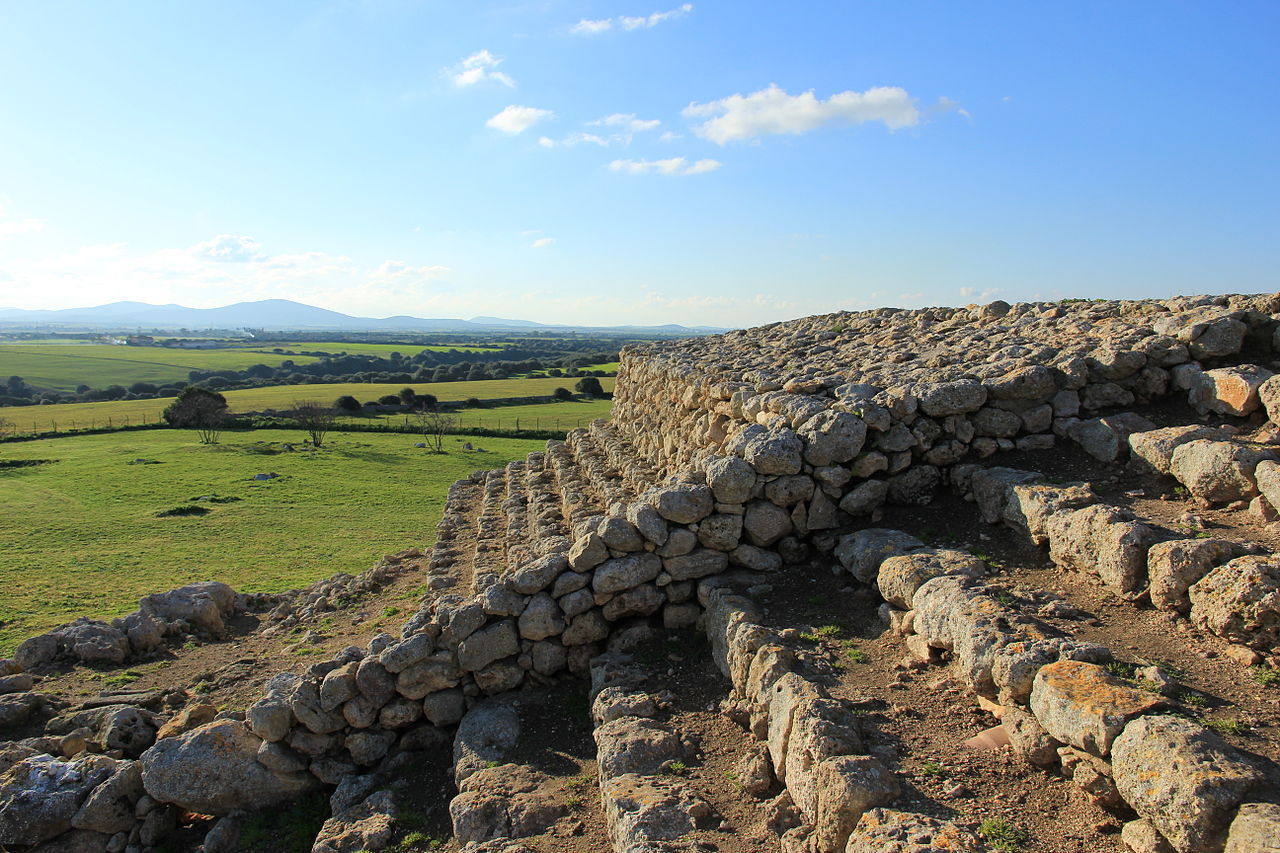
x,y
773,111
228,248
670,166
514,120
478,68
626,122
587,27
542,242
621,129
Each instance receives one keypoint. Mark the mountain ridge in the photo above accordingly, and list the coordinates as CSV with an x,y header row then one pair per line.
x,y
287,314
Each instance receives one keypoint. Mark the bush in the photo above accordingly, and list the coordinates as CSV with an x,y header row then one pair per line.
x,y
347,403
389,400
473,403
562,394
199,409
590,386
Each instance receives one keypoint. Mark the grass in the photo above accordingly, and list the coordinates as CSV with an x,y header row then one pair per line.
x,y
1002,835
26,419
1265,675
676,768
822,632
64,366
931,768
85,540
1226,727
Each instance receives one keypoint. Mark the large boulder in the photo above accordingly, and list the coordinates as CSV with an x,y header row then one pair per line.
x,y
832,437
203,606
214,770
900,576
861,553
1172,567
1256,829
1228,390
503,801
1218,471
486,735
1240,601
1081,704
1154,447
1181,778
40,795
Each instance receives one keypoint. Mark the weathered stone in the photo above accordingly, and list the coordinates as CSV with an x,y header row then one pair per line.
x,y
542,618
589,627
950,398
1029,507
214,770
1217,471
624,573
1172,567
588,552
883,830
1103,541
900,576
832,437
635,745
698,564
338,686
847,787
1229,390
368,826
620,534
407,652
866,497
652,526
1256,829
487,645
1107,438
1155,447
684,504
992,488
731,479
507,801
441,670
1240,601
1082,705
765,523
641,812
40,795
721,531
861,553
1182,778
638,601
109,807
486,735
538,575
775,452
445,707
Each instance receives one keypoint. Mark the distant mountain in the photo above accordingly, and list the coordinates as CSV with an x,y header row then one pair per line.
x,y
284,314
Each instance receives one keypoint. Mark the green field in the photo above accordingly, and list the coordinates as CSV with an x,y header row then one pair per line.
x,y
82,537
538,416
64,366
370,349
28,419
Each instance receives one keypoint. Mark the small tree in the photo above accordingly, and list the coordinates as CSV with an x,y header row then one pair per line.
x,y
433,425
389,400
407,396
200,409
316,419
590,386
562,394
347,403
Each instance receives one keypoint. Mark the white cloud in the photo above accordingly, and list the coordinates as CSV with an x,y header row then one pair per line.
x,y
228,248
669,166
514,120
670,136
590,28
10,227
587,27
542,242
627,121
477,68
772,110
653,20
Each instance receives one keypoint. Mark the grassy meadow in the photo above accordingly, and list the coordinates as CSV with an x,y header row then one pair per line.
x,y
27,419
83,538
64,366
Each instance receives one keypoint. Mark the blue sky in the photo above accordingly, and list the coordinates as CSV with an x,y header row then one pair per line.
x,y
647,161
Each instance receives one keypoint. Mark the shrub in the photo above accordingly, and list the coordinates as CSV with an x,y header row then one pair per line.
x,y
347,403
562,394
590,386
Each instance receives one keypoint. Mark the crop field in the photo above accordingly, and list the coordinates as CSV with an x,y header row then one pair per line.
x,y
80,514
27,419
64,366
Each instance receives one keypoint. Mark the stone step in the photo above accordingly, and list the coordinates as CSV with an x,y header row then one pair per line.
x,y
597,471
546,518
449,554
516,509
